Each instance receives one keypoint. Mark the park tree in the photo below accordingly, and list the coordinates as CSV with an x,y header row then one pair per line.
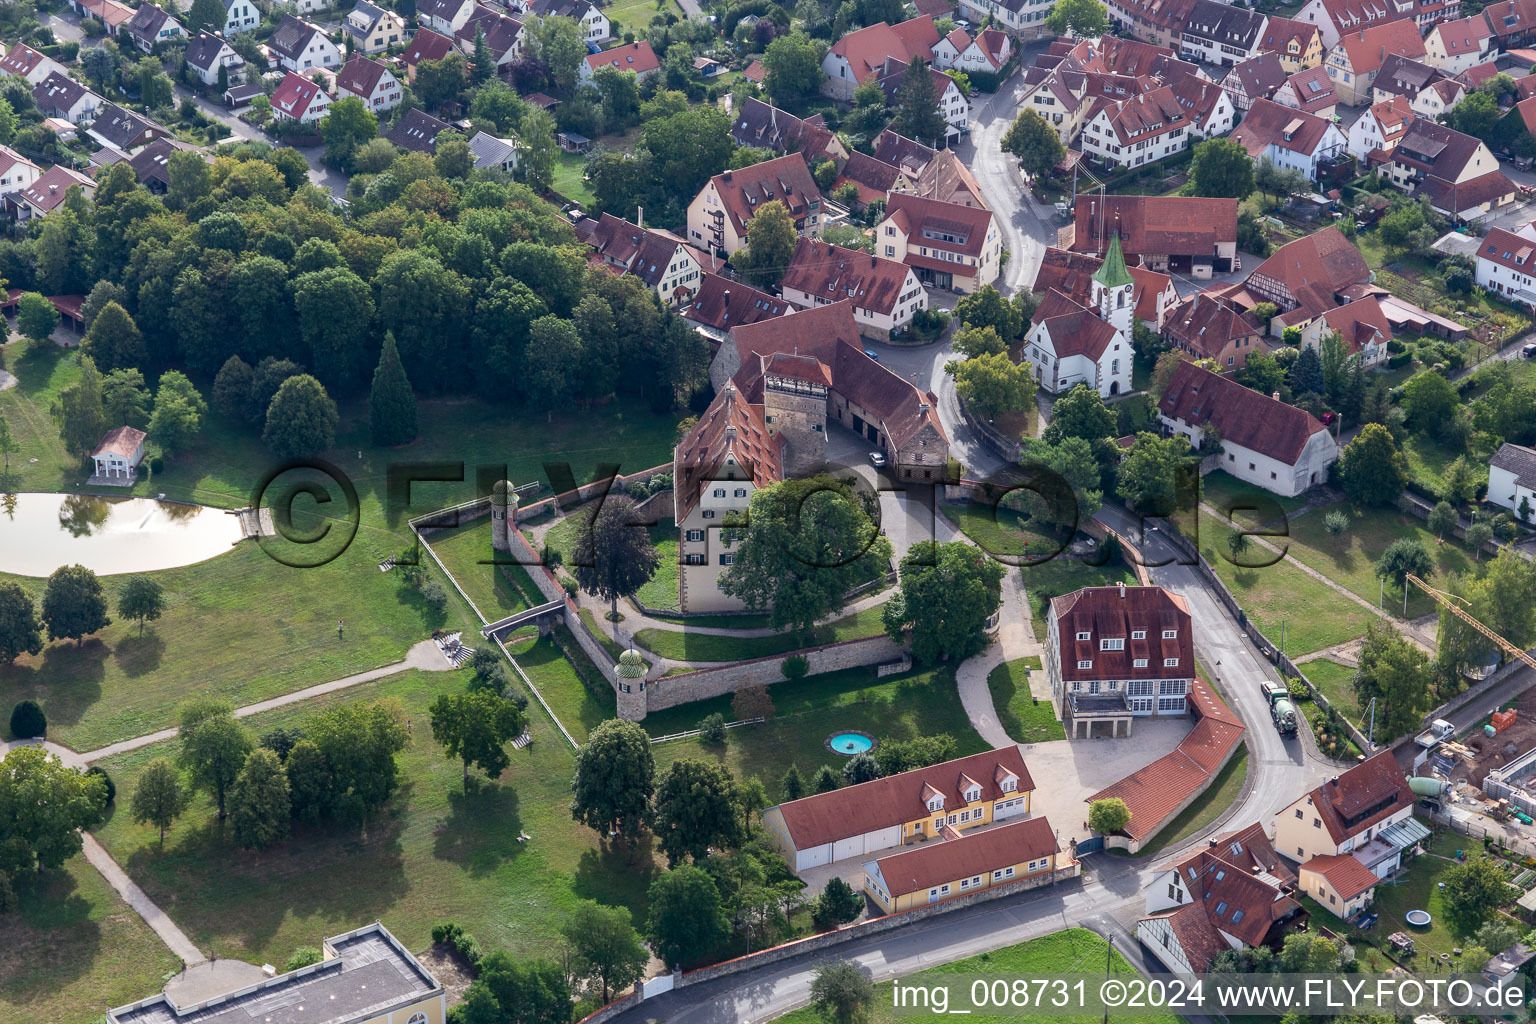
x,y
208,15
335,312
441,81
558,43
232,387
1084,19
1474,889
20,631
1442,519
807,542
28,720
615,777
986,307
44,805
391,403
1070,461
301,421
141,599
604,947
158,798
1167,365
1404,556
770,245
1033,141
993,384
552,363
114,340
695,809
1372,468
1278,182
861,768
124,398
842,992
359,743
476,727
1479,534
825,780
526,991
948,592
259,803
917,106
792,69
979,341
179,411
1221,169
1151,476
36,317
82,418
213,747
1395,673
1080,412
310,789
1108,815
74,604
614,556
347,124
685,923
751,703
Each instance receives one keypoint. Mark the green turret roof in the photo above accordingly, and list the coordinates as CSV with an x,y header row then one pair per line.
x,y
1113,273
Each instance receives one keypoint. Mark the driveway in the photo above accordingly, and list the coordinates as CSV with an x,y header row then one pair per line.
x,y
328,178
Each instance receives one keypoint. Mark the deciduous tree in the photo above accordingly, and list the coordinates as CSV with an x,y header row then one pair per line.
x,y
141,599
347,124
792,68
615,777
44,805
614,556
125,399
842,992
20,631
695,809
179,411
213,747
1149,479
259,806
1221,169
36,317
770,245
1108,815
74,604
1371,467
1474,889
1033,141
158,798
948,592
993,384
604,947
685,923
476,727
301,421
986,307
1395,673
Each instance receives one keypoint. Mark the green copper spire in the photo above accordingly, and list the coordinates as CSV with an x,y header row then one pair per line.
x,y
1113,273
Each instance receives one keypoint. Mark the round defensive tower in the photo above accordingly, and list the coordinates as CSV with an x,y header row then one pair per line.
x,y
503,515
629,678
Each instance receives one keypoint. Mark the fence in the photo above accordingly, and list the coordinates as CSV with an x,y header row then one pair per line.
x,y
1477,830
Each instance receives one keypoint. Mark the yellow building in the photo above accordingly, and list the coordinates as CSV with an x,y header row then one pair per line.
x,y
958,864
1298,45
910,807
364,977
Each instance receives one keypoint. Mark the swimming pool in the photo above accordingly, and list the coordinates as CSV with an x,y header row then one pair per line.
x,y
850,743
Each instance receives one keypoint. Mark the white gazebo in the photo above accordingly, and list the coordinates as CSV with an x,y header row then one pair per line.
x,y
118,455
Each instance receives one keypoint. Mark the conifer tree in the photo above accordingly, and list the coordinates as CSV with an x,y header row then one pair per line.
x,y
391,404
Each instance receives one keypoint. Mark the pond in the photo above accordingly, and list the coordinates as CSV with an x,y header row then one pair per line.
x,y
850,743
40,532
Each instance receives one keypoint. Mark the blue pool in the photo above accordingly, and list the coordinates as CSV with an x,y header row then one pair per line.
x,y
850,743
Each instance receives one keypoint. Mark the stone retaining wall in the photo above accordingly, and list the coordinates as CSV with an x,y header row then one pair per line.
x,y
671,691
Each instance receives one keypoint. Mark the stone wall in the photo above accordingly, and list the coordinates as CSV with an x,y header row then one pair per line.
x,y
671,691
544,579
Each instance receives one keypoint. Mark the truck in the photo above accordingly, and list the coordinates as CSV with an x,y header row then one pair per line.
x,y
1281,709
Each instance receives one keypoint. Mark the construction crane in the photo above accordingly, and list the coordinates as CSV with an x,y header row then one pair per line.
x,y
1455,604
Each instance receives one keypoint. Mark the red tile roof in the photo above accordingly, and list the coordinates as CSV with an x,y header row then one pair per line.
x,y
831,273
872,178
1367,48
923,217
1371,791
1313,90
1073,329
731,428
1272,124
1316,267
1280,32
1115,613
637,57
1353,15
1359,323
1507,249
1348,877
896,799
361,76
294,94
723,304
1164,225
427,45
49,190
1464,36
1149,285
20,60
974,853
785,179
866,49
122,441
755,72
1154,792
1241,416
1070,273
1204,325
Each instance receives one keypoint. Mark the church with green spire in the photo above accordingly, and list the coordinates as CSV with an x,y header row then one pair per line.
x,y
1114,289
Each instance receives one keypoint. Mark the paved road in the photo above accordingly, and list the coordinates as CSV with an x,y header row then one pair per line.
x,y
327,178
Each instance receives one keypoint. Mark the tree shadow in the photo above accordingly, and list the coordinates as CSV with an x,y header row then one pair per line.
x,y
1246,579
616,876
66,677
51,940
481,830
137,655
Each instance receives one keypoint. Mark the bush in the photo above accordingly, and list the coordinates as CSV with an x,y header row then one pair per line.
x,y
1395,346
433,593
443,932
1335,522
569,584
28,720
302,957
795,667
101,773
1398,360
712,728
1298,690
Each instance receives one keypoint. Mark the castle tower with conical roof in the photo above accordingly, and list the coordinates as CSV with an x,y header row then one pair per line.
x,y
629,685
1114,288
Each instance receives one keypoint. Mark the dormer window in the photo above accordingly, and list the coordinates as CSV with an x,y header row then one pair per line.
x,y
1115,644
936,803
1138,634
1083,635
973,794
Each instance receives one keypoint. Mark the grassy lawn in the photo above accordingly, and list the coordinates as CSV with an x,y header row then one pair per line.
x,y
634,15
576,706
1207,807
466,551
1025,719
999,531
433,854
746,620
568,178
1227,493
41,373
74,949
1315,616
1336,682
239,626
687,646
1421,891
1427,459
806,712
1349,558
660,591
1074,951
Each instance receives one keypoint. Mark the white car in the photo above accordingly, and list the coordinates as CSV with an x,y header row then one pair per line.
x,y
877,459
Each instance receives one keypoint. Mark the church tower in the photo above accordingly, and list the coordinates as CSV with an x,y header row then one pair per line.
x,y
1113,289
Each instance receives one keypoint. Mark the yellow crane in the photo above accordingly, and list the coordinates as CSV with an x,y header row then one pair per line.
x,y
1455,604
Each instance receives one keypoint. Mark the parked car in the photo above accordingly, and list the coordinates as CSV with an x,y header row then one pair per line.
x,y
877,459
1529,351
872,354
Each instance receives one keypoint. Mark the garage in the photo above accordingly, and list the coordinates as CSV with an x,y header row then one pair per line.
x,y
815,857
1010,808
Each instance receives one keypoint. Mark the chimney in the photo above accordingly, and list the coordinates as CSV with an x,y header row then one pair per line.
x,y
1275,395
872,259
922,407
727,296
640,217
1122,591
727,176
